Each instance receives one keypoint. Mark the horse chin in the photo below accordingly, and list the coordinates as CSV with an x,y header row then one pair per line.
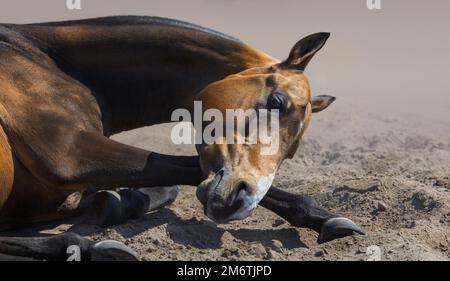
x,y
219,217
238,215
205,195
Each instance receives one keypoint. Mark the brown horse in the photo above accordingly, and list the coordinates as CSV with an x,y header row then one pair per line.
x,y
65,87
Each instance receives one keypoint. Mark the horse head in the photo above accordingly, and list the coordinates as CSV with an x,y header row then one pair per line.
x,y
239,173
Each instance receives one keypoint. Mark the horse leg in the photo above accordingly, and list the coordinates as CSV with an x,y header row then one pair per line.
x,y
103,163
124,166
63,246
97,161
154,174
108,207
303,211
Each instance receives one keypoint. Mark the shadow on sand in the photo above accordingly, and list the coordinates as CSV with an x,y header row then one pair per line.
x,y
201,234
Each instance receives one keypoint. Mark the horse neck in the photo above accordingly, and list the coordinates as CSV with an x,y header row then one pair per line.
x,y
141,73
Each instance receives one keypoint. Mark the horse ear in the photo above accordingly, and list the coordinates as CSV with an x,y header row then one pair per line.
x,y
304,50
321,102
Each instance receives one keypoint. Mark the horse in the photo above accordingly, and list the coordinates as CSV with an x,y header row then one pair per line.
x,y
66,87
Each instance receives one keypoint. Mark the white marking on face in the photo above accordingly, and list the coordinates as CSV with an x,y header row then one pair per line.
x,y
302,123
264,184
250,202
300,127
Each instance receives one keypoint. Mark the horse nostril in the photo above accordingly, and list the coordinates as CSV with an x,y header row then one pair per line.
x,y
220,173
242,185
241,189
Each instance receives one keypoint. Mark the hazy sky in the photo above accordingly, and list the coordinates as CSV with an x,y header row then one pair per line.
x,y
396,58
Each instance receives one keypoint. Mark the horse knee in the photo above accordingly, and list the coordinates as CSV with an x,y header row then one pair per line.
x,y
134,203
160,196
104,209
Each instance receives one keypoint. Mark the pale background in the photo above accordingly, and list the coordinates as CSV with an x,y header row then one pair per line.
x,y
394,59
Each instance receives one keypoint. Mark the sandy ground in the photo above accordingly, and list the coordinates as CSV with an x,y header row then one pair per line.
x,y
388,172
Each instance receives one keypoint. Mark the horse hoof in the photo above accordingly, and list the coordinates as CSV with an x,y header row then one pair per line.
x,y
337,228
110,250
105,209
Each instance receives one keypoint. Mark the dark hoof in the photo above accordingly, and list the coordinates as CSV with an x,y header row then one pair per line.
x,y
105,209
110,250
337,228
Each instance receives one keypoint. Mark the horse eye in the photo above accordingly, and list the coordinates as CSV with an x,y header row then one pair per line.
x,y
276,101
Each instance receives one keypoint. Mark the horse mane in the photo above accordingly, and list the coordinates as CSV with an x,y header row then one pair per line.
x,y
138,20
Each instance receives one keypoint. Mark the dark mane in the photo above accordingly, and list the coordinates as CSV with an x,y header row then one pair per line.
x,y
138,20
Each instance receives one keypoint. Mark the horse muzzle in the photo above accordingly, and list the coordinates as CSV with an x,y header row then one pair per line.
x,y
224,201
